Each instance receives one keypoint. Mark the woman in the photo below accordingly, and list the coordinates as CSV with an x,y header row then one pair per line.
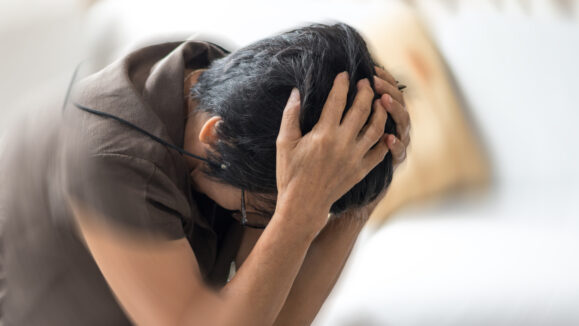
x,y
181,185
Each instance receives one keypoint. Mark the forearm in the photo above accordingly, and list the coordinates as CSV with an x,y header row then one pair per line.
x,y
260,287
320,270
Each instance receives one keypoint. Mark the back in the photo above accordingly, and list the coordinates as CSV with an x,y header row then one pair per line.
x,y
52,278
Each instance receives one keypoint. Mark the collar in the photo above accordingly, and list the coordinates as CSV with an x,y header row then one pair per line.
x,y
146,86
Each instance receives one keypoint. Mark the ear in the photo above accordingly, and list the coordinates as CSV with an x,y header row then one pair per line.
x,y
208,133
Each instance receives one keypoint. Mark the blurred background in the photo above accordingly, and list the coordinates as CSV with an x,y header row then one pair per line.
x,y
481,223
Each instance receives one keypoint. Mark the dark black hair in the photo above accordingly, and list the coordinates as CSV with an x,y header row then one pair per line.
x,y
249,89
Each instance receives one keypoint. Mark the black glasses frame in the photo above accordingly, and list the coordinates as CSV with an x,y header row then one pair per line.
x,y
244,214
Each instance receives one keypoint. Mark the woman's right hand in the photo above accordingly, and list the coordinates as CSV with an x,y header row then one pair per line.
x,y
314,170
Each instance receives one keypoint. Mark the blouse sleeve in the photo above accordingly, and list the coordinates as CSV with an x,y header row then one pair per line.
x,y
130,193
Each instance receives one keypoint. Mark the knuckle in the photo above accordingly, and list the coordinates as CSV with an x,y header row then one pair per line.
x,y
367,91
321,138
324,141
280,141
364,108
374,132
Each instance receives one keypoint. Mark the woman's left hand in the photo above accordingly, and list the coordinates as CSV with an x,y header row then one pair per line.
x,y
393,100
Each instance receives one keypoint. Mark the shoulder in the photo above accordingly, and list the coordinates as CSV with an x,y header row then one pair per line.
x,y
130,192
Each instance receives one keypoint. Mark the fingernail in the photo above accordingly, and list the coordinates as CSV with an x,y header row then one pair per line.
x,y
295,95
394,141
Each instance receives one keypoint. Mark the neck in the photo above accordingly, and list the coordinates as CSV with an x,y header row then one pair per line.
x,y
191,77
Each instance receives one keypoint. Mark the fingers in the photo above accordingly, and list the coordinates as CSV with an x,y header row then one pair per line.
x,y
393,99
358,113
374,130
376,154
334,107
382,73
400,116
384,87
290,123
397,149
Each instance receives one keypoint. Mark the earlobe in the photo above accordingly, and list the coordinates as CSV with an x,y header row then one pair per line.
x,y
208,133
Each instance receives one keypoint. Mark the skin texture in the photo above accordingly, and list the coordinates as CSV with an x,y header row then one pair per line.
x,y
285,272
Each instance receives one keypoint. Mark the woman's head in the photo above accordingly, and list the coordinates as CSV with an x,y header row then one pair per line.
x,y
248,90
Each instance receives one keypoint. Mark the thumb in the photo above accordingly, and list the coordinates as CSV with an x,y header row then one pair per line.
x,y
290,122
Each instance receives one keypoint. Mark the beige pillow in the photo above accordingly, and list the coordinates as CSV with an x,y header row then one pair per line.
x,y
444,154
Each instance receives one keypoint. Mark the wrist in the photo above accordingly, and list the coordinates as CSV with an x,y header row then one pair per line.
x,y
338,229
352,219
306,220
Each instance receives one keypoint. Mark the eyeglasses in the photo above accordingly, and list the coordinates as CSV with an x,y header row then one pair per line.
x,y
251,220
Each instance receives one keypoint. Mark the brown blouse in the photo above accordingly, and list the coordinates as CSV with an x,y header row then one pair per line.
x,y
48,276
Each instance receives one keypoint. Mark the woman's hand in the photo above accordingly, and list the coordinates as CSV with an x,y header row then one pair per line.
x,y
316,169
386,85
